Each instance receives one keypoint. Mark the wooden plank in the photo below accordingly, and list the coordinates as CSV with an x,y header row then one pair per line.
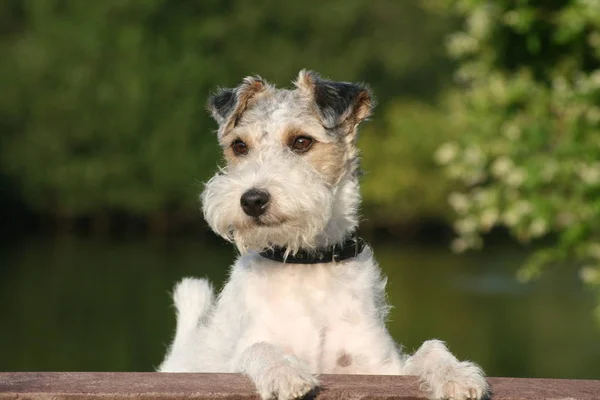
x,y
154,386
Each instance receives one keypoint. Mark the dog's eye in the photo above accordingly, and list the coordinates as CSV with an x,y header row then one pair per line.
x,y
239,147
300,144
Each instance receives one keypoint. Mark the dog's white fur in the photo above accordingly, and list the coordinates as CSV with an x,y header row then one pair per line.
x,y
284,324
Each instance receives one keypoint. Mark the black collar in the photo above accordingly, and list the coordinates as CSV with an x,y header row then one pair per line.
x,y
351,247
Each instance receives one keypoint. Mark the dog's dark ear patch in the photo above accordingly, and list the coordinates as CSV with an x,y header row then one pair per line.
x,y
335,98
227,105
222,104
337,102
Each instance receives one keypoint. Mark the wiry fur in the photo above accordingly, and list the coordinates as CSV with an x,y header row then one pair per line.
x,y
284,324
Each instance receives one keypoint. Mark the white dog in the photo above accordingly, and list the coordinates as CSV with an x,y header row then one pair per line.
x,y
306,296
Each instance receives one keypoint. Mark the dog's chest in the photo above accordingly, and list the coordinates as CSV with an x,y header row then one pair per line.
x,y
295,291
308,310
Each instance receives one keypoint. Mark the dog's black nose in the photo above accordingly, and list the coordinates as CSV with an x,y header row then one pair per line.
x,y
254,202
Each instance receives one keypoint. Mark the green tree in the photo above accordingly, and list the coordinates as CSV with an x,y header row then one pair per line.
x,y
529,112
403,185
102,103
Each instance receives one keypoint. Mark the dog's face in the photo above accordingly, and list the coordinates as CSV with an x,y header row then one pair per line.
x,y
291,160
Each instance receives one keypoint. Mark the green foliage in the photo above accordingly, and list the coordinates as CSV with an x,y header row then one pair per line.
x,y
102,102
529,154
402,180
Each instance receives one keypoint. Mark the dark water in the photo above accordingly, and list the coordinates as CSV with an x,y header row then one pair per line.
x,y
103,305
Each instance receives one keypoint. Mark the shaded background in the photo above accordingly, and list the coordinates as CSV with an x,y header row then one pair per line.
x,y
105,143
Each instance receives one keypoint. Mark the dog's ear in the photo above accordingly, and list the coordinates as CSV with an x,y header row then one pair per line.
x,y
336,103
222,104
227,105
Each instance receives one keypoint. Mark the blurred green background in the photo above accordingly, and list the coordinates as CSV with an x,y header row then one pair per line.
x,y
105,143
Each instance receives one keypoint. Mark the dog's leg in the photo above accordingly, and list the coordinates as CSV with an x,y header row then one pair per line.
x,y
443,376
276,375
193,299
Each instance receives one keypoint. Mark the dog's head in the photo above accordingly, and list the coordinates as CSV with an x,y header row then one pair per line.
x,y
290,178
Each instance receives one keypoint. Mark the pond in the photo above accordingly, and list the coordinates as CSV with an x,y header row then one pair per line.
x,y
90,304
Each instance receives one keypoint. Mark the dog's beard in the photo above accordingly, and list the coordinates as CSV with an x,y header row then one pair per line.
x,y
298,212
288,234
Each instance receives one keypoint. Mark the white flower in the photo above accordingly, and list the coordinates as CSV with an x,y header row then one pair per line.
x,y
516,177
512,131
523,207
481,196
459,245
590,174
589,274
511,18
473,155
595,76
498,87
474,177
479,22
593,250
538,227
446,153
455,171
465,226
593,115
459,202
502,166
560,84
489,218
549,170
511,217
515,214
461,43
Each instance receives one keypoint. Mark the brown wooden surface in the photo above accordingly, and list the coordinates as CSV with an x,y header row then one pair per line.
x,y
152,386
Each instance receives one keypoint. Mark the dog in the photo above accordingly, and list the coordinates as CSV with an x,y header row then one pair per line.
x,y
306,296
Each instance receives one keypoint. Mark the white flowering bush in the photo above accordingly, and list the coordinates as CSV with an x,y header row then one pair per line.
x,y
528,109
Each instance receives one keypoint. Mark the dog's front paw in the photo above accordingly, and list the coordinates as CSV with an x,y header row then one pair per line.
x,y
288,380
462,381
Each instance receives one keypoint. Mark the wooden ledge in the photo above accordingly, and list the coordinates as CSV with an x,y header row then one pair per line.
x,y
153,386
